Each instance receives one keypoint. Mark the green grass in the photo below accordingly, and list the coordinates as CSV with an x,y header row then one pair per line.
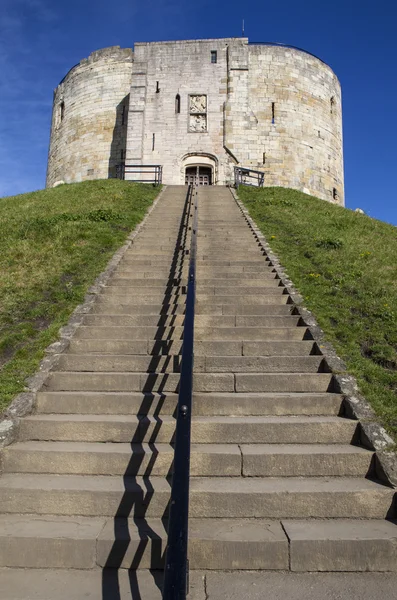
x,y
345,266
53,243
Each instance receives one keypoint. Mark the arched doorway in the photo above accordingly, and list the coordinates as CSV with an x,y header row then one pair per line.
x,y
200,168
198,174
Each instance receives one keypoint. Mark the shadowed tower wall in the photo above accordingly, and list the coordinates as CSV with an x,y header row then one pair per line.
x,y
89,120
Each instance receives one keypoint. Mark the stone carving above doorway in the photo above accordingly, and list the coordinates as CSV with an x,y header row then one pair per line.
x,y
198,113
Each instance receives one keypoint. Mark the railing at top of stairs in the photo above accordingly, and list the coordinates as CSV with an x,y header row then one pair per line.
x,y
245,176
141,173
176,572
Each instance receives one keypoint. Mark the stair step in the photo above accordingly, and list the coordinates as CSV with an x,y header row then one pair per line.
x,y
115,307
205,429
342,545
86,542
83,458
114,381
305,460
128,333
213,544
259,364
211,404
120,363
220,497
200,320
171,363
258,334
138,347
247,299
106,403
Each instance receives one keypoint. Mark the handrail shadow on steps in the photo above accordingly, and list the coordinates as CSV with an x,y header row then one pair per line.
x,y
136,509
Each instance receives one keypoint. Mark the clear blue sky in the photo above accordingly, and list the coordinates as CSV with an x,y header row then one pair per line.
x,y
40,40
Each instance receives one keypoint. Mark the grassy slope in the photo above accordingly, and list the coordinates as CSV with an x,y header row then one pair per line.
x,y
345,266
53,243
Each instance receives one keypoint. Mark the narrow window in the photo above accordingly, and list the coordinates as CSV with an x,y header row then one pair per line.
x,y
177,104
123,115
332,104
157,87
334,193
61,111
122,154
273,111
214,56
153,141
264,158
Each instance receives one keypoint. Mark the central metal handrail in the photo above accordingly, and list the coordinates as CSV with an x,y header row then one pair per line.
x,y
176,573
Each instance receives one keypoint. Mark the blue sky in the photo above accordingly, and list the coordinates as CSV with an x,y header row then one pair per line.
x,y
41,39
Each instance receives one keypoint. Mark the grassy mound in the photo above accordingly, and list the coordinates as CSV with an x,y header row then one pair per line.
x,y
345,266
53,243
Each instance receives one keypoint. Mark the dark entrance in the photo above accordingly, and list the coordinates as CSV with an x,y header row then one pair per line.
x,y
199,175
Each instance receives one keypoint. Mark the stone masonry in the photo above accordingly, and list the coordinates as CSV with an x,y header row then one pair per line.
x,y
212,104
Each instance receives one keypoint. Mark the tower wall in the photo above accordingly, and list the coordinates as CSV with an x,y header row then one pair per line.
x,y
88,134
284,117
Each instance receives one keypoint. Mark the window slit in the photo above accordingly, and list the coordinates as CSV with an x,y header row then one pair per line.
x,y
153,141
177,104
273,111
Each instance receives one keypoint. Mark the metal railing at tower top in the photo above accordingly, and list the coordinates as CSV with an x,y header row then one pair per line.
x,y
176,570
245,176
141,173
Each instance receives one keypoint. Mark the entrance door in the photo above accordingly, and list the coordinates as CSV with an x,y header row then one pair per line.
x,y
199,175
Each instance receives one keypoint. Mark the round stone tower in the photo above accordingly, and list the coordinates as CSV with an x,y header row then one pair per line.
x,y
89,119
199,108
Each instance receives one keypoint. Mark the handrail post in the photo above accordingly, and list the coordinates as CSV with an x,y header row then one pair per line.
x,y
176,569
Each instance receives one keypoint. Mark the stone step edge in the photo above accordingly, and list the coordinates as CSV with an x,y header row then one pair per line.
x,y
295,545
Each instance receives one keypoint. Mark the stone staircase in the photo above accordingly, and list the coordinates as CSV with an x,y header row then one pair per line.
x,y
279,479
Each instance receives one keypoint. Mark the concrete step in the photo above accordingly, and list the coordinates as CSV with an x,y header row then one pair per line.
x,y
138,347
89,542
134,320
234,284
201,348
305,460
205,429
244,272
120,363
163,275
211,404
213,544
112,306
152,284
247,334
94,458
207,460
280,309
200,320
220,497
232,333
106,403
259,364
117,381
129,333
241,291
230,300
112,382
146,295
203,364
342,545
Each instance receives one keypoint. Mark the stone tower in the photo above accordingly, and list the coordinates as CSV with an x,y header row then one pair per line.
x,y
201,105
